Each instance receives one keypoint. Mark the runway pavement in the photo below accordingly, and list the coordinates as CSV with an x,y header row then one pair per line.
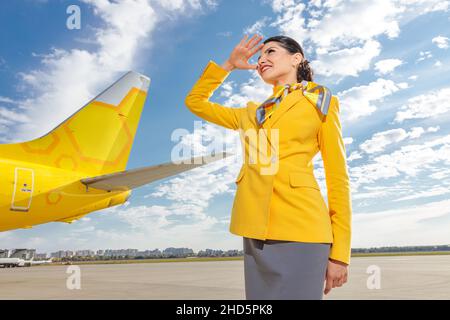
x,y
400,277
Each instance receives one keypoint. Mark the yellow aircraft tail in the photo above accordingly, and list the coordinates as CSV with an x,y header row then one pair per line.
x,y
96,139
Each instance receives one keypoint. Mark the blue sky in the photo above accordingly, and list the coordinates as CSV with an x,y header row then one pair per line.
x,y
388,62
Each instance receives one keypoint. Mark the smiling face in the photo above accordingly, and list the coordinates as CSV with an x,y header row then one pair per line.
x,y
276,65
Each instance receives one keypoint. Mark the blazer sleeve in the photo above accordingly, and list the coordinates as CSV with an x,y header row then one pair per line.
x,y
333,153
198,102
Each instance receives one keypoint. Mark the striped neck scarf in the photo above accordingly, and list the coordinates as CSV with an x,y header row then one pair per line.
x,y
319,96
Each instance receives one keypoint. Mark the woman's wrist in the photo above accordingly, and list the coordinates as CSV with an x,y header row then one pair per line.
x,y
338,262
228,66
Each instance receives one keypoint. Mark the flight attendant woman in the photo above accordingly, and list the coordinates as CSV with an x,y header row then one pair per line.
x,y
294,245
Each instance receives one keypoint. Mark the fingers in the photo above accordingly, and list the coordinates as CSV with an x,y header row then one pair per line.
x,y
243,41
252,48
338,282
253,41
334,281
249,43
250,66
328,285
255,49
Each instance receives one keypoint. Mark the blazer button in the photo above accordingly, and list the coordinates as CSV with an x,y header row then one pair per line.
x,y
274,159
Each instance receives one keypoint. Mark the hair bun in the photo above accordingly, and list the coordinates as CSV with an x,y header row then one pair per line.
x,y
304,71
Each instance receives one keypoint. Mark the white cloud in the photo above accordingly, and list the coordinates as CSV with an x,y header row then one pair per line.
x,y
412,8
67,79
226,89
411,225
426,105
157,227
225,34
441,42
406,161
354,156
387,65
373,19
424,55
374,193
254,89
257,26
7,100
433,192
433,129
14,117
346,62
329,29
183,6
194,188
348,140
357,102
440,174
380,140
415,132
290,20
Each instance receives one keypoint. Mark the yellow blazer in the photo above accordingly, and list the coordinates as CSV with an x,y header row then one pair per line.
x,y
288,204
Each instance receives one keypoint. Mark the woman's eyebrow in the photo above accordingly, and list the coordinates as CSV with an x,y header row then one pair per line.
x,y
265,51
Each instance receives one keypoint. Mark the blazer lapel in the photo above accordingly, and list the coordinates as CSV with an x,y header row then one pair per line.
x,y
251,112
288,102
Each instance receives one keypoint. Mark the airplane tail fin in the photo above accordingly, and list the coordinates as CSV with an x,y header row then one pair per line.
x,y
96,139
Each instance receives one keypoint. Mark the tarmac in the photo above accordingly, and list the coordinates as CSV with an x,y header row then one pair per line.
x,y
394,277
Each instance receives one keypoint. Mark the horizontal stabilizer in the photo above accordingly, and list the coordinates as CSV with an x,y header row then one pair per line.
x,y
130,179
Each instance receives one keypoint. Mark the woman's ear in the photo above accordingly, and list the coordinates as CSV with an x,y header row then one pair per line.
x,y
297,59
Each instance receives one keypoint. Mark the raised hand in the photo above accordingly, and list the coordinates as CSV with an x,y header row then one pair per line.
x,y
242,53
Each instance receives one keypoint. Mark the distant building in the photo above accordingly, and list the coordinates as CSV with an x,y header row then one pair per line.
x,y
121,253
58,254
85,253
219,253
232,253
40,256
150,253
178,252
402,249
62,254
210,253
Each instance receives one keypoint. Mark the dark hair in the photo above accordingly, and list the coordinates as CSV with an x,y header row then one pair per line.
x,y
304,71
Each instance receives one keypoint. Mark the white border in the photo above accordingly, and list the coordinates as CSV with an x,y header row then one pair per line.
x,y
15,186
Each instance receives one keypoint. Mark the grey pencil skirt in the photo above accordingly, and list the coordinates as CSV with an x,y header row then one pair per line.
x,y
277,269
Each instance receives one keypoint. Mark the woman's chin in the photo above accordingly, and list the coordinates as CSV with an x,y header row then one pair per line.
x,y
269,80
